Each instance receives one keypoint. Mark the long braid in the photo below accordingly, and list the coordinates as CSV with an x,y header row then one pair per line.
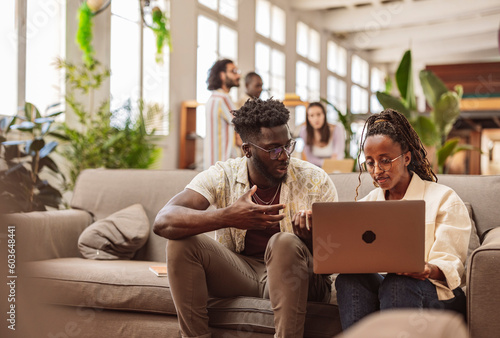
x,y
395,125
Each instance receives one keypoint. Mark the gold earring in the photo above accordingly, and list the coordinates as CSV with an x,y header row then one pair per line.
x,y
375,184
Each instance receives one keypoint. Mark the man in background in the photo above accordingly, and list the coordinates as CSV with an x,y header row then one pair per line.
x,y
221,142
253,85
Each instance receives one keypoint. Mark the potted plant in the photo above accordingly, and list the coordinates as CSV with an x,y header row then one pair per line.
x,y
22,161
445,105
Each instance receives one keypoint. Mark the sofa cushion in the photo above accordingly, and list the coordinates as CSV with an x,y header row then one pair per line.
x,y
114,285
130,286
117,236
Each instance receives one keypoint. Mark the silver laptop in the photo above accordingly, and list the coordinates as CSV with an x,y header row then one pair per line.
x,y
368,237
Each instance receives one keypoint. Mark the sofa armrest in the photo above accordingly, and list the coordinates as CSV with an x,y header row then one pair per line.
x,y
43,235
483,295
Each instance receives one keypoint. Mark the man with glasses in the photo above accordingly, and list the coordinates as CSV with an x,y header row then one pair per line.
x,y
221,143
262,220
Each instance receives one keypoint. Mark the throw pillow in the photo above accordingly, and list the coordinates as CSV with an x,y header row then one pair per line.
x,y
117,236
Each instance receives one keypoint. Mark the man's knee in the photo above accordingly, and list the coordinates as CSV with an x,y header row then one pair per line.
x,y
181,248
284,241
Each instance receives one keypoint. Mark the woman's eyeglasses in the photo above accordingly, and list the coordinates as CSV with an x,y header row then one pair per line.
x,y
384,164
275,153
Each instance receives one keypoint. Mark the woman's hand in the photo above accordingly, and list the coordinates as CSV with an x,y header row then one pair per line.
x,y
430,271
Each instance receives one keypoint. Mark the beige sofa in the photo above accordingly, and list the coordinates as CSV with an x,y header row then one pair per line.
x,y
61,294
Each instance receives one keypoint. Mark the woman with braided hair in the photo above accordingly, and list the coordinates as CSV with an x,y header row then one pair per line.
x,y
397,163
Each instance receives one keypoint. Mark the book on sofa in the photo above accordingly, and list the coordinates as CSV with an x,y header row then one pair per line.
x,y
160,271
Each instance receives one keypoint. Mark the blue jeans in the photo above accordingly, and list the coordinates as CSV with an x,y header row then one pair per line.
x,y
358,295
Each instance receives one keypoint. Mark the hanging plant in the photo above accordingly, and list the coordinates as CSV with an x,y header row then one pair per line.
x,y
162,34
84,34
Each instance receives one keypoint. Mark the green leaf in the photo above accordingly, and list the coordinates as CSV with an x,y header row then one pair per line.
x,y
446,150
31,111
446,112
24,126
14,143
404,81
48,148
432,86
426,130
389,101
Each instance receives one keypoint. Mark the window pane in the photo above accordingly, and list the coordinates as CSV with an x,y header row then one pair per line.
x,y
364,73
228,40
207,33
229,8
8,59
301,80
125,72
278,63
356,69
332,56
212,4
45,42
263,18
279,23
262,57
377,80
359,100
375,106
204,61
302,37
313,84
126,9
314,45
155,91
341,61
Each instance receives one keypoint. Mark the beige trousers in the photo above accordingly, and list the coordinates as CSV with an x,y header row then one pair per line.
x,y
199,267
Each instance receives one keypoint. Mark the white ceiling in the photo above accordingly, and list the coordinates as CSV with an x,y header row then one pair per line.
x,y
437,31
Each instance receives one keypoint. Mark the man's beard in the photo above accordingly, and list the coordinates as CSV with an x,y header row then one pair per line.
x,y
261,168
230,83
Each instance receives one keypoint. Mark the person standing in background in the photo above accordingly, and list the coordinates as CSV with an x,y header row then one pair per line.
x,y
322,139
253,85
221,142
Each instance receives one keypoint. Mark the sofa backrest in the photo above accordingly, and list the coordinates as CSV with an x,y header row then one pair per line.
x,y
482,192
105,191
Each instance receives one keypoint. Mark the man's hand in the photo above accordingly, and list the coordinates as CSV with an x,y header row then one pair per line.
x,y
302,226
245,214
430,271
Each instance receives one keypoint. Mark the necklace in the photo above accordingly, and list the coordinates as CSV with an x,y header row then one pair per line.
x,y
259,200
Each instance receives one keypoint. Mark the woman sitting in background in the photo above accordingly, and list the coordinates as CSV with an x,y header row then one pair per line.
x,y
397,163
322,139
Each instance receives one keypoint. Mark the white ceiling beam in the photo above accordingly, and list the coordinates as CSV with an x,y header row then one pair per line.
x,y
428,50
437,31
401,14
314,5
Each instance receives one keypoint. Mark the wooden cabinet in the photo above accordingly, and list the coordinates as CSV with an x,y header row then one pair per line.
x,y
187,134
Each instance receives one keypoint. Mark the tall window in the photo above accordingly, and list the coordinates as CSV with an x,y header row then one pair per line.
x,y
270,23
336,82
137,76
45,40
377,84
307,81
360,87
217,38
8,59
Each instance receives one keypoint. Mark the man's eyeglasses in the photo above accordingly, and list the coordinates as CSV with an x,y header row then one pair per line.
x,y
384,164
275,153
235,71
